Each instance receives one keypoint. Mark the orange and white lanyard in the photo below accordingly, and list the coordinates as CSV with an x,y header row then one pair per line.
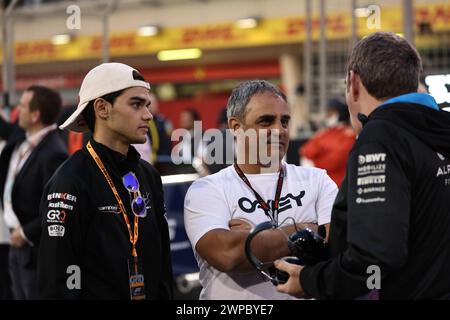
x,y
133,239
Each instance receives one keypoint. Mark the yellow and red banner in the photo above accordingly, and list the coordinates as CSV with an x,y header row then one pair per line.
x,y
271,31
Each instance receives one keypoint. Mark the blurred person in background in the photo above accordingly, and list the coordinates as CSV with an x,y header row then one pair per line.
x,y
329,148
159,132
5,280
28,160
191,147
390,225
6,130
223,156
107,235
158,145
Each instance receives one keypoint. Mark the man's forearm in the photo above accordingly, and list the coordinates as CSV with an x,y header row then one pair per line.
x,y
267,246
290,229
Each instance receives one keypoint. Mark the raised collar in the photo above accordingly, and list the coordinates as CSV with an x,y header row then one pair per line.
x,y
115,161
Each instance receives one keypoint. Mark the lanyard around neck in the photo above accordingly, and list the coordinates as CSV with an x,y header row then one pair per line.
x,y
267,210
133,239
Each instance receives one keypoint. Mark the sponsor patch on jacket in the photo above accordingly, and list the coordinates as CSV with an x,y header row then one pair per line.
x,y
56,230
370,190
371,169
109,209
56,216
62,196
60,205
443,171
380,179
371,158
440,156
371,177
371,200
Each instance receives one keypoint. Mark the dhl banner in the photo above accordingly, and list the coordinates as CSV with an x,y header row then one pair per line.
x,y
271,31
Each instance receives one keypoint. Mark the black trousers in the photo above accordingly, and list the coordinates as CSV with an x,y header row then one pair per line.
x,y
23,272
5,280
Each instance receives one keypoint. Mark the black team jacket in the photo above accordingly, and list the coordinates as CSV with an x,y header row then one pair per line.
x,y
84,230
392,211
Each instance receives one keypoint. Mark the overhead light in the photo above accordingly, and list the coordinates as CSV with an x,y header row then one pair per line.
x,y
247,23
148,31
60,39
179,54
166,91
362,12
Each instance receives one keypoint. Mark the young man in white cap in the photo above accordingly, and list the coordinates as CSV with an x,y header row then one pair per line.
x,y
105,233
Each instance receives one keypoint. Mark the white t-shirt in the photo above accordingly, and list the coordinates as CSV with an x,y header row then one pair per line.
x,y
211,202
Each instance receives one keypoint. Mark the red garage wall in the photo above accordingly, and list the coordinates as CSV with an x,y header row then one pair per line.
x,y
209,106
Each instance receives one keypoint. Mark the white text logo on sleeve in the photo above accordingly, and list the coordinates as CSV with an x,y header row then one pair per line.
x,y
56,230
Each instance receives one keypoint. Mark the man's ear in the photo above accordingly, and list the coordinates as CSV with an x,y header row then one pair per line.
x,y
35,116
354,85
102,108
234,124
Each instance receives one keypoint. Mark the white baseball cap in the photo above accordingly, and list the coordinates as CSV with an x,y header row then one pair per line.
x,y
103,79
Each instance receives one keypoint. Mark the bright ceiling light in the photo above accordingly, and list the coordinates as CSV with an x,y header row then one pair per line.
x,y
60,39
247,23
180,54
148,31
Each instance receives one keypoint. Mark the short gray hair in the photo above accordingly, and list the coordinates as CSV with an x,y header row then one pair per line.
x,y
242,93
